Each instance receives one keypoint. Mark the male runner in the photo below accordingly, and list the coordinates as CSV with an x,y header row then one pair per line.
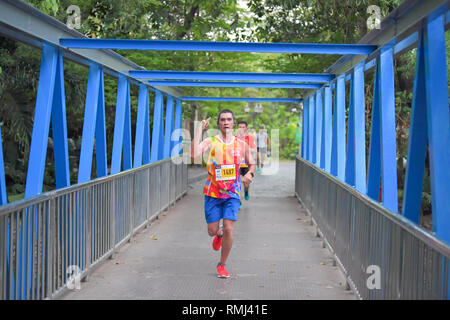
x,y
222,188
262,140
250,142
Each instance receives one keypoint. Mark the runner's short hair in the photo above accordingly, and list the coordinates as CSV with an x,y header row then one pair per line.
x,y
225,111
243,122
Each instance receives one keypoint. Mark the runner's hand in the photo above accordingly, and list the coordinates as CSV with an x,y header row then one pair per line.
x,y
247,178
205,123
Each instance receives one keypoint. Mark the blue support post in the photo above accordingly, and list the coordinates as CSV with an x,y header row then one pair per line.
x,y
3,197
318,131
122,129
374,176
161,133
305,129
325,154
100,132
178,139
50,103
89,125
360,129
157,120
387,129
350,157
41,124
146,151
140,125
438,124
417,144
59,126
168,128
311,135
339,128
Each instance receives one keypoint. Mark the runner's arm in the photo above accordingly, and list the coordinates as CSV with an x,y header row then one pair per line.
x,y
197,147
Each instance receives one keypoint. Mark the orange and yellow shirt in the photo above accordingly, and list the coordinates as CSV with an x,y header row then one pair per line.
x,y
224,180
249,143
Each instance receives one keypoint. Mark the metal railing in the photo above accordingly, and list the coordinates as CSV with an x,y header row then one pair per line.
x,y
47,241
412,263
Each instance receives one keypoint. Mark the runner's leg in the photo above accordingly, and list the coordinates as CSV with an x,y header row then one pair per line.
x,y
227,242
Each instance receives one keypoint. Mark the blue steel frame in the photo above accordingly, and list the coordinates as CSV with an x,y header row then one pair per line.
x,y
235,76
430,123
325,141
235,84
241,99
169,45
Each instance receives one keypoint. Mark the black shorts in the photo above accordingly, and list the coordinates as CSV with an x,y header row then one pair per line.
x,y
244,171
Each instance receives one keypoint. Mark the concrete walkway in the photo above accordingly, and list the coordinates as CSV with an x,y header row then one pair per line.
x,y
275,253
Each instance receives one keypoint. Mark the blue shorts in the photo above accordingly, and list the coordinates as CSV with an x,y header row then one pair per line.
x,y
216,209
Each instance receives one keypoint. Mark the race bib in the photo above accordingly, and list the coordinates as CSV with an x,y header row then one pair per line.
x,y
226,172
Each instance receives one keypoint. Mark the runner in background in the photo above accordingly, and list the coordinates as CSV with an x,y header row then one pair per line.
x,y
262,141
249,143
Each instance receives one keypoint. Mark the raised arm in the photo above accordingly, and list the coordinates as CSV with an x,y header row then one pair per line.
x,y
197,147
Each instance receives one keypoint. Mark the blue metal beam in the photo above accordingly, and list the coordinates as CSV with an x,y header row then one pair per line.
x,y
3,197
141,126
235,76
417,144
387,129
168,128
325,154
176,141
157,122
122,128
241,99
438,123
235,84
93,126
171,45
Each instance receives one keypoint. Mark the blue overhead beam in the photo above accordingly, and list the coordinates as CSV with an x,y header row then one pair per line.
x,y
235,84
241,99
171,45
236,76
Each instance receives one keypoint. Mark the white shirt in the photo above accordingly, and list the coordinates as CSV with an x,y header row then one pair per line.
x,y
261,140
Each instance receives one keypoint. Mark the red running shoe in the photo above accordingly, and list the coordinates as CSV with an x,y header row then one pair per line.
x,y
217,242
222,272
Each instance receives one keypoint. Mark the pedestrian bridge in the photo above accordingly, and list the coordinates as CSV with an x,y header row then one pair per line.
x,y
326,226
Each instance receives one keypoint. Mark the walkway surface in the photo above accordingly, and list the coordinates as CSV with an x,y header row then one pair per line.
x,y
275,254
